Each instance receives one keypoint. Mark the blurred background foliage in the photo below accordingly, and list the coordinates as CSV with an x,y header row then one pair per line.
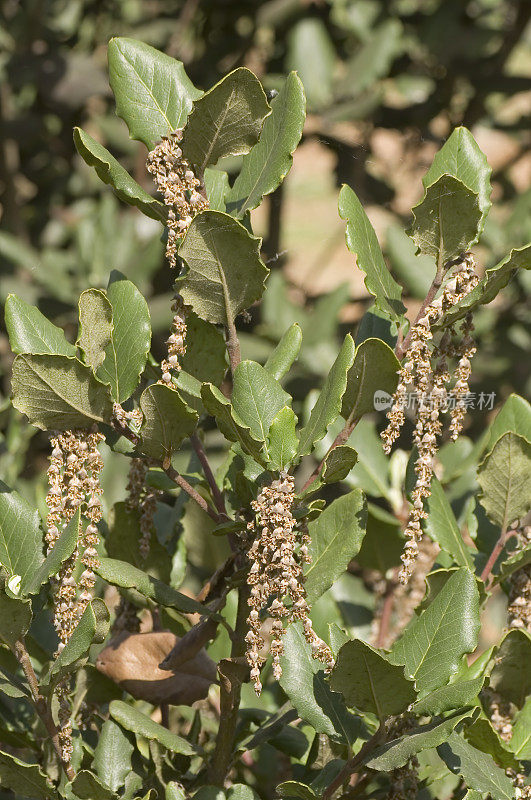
x,y
386,81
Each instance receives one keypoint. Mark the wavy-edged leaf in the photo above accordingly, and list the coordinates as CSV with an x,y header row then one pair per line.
x,y
369,682
111,172
229,423
270,160
285,353
62,549
30,331
92,628
477,769
112,756
206,353
304,682
86,786
328,405
397,752
226,120
126,353
446,221
119,573
505,479
363,243
375,368
338,463
25,779
520,743
336,537
217,187
257,397
20,535
461,157
167,421
511,674
95,326
448,698
513,417
481,734
441,525
15,618
225,274
135,721
432,646
494,280
58,392
282,439
154,95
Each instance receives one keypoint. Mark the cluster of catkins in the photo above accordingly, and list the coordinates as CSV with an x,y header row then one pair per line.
x,y
431,386
73,475
519,608
403,780
144,499
277,554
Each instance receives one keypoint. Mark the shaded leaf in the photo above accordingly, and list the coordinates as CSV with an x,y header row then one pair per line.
x,y
477,769
520,742
505,480
282,439
92,628
432,646
441,526
328,405
312,54
30,331
268,163
383,542
338,463
225,121
482,735
374,369
135,721
126,353
25,779
20,535
206,353
448,698
369,682
15,619
153,92
511,674
336,537
217,188
62,549
86,786
285,353
110,171
58,393
363,243
112,756
95,326
225,274
167,421
513,417
229,423
447,219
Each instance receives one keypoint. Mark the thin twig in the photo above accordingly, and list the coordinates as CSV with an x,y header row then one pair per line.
x,y
352,765
217,495
496,550
233,344
387,609
401,347
41,706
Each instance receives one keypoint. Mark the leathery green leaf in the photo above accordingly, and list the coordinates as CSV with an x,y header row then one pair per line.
x,y
20,536
95,326
477,769
257,397
135,721
30,331
282,439
167,421
285,353
505,480
374,369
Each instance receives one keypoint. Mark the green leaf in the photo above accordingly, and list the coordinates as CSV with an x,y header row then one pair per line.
x,y
111,172
62,549
112,756
282,439
441,526
153,92
24,779
92,628
135,721
514,417
303,680
461,157
87,787
448,698
477,769
15,618
58,393
30,331
396,753
328,405
257,397
226,121
122,541
504,479
217,188
295,789
432,646
520,742
167,421
285,353
312,54
363,243
126,353
20,535
270,160
369,682
383,542
482,735
494,280
118,573
374,370
229,423
446,221
338,463
225,274
511,675
205,357
95,326
336,537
